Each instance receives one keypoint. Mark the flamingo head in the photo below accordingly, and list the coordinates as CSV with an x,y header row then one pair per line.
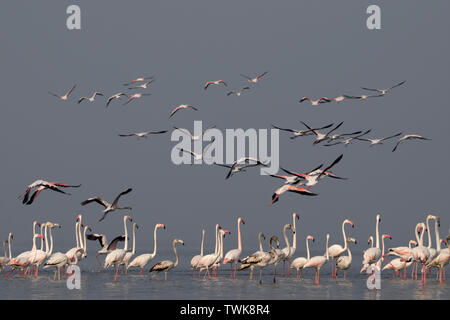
x,y
88,228
387,236
378,218
262,235
160,225
78,218
349,222
128,218
310,238
37,223
297,216
242,220
226,232
414,242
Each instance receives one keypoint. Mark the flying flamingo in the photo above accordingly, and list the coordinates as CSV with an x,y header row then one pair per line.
x,y
193,138
409,137
64,97
315,102
142,134
384,91
290,188
198,156
289,253
105,246
92,98
300,133
129,255
217,83
115,96
136,96
300,262
336,249
109,207
182,106
321,136
344,262
317,262
115,257
347,141
238,93
374,142
167,265
40,186
195,259
232,256
140,79
143,259
142,85
255,79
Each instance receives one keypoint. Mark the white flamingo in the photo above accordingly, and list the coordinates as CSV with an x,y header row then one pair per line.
x,y
64,97
398,264
232,256
143,259
255,79
409,137
251,260
280,255
91,98
195,259
6,258
109,207
207,261
115,257
372,255
129,254
167,265
289,254
344,262
300,262
317,262
336,249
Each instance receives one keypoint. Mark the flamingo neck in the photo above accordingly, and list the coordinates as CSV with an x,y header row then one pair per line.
x,y
51,241
4,249
260,243
126,233
377,235
326,250
345,236
42,240
176,255
349,254
416,232
203,240
134,239
436,232
429,233
286,239
294,238
421,238
80,238
9,246
221,246
239,236
307,250
154,241
217,241
46,240
84,241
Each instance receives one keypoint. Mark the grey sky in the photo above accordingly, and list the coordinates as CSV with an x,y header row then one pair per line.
x,y
310,48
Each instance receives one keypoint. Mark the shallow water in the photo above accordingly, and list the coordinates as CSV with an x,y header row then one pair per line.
x,y
181,285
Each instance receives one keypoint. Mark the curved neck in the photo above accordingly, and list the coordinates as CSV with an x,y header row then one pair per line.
x,y
286,239
203,240
429,233
239,235
176,255
377,235
382,250
84,240
349,253
307,249
126,233
416,232
221,246
34,244
421,238
51,240
154,241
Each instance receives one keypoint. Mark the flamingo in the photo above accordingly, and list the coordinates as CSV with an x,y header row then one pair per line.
x,y
136,96
115,257
193,138
195,259
347,141
321,136
91,98
117,95
344,262
167,265
289,253
238,93
300,262
317,262
73,251
207,261
106,247
280,254
40,186
182,106
140,79
374,142
421,254
409,137
315,102
441,260
336,249
400,263
217,83
290,188
234,168
6,258
301,133
41,255
128,255
437,224
382,92
255,79
143,259
373,254
341,135
142,85
142,134
232,256
250,261
340,98
222,234
198,156
64,97
108,206
362,97
274,258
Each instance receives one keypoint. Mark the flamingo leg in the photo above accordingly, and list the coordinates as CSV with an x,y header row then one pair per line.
x,y
235,267
142,270
116,271
260,275
289,268
282,270
231,270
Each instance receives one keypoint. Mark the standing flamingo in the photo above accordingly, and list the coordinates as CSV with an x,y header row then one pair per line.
x,y
344,262
115,257
250,261
142,260
372,255
280,255
6,258
232,256
128,255
207,261
289,254
300,262
398,264
167,265
195,259
317,262
336,249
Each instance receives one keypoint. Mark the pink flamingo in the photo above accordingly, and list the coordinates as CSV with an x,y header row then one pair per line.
x,y
232,256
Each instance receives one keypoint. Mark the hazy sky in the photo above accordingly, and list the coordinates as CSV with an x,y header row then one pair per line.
x,y
310,48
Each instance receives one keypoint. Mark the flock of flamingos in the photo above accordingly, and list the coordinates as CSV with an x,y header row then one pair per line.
x,y
397,259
